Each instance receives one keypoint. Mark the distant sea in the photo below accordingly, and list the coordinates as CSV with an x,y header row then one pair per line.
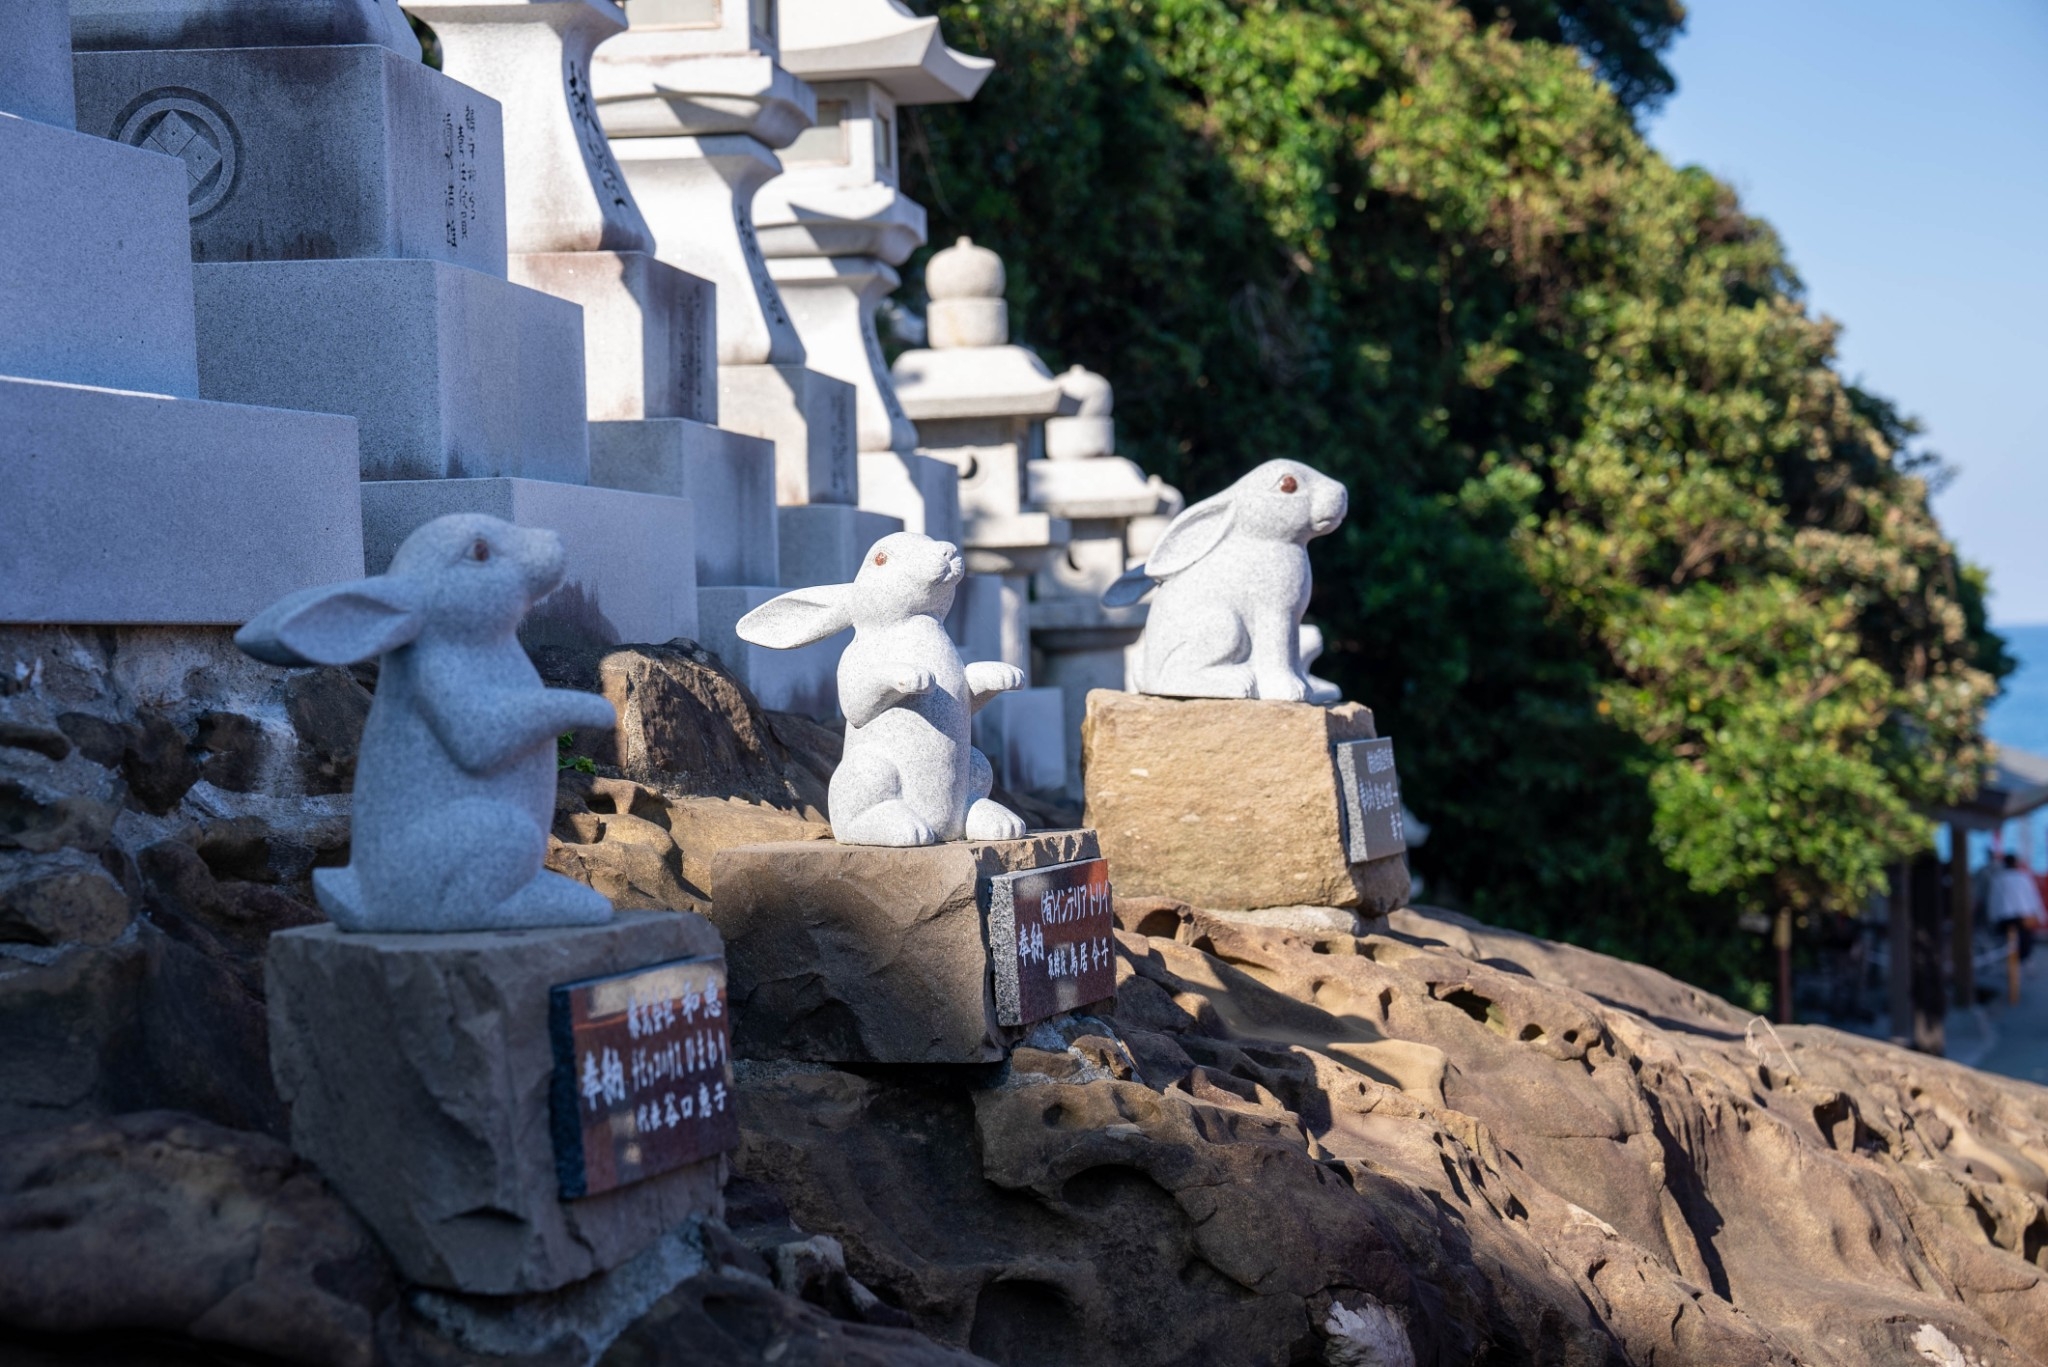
x,y
2020,718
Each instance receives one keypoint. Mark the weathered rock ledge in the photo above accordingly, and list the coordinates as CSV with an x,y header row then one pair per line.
x,y
1305,1136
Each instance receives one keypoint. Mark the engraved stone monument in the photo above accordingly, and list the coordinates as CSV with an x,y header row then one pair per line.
x,y
129,498
348,223
696,105
650,329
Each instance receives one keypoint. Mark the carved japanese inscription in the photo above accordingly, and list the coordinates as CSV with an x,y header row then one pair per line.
x,y
1372,799
643,1074
1049,940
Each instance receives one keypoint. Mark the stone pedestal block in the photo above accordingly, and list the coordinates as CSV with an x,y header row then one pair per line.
x,y
452,373
832,301
1230,804
698,193
922,490
728,478
863,954
649,332
823,543
95,273
35,62
126,507
632,572
808,416
804,680
417,1069
306,153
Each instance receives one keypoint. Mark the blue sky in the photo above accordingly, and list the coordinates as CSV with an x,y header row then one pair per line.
x,y
1901,150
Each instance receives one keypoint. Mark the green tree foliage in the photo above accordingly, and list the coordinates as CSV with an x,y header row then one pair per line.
x,y
1650,596
1622,38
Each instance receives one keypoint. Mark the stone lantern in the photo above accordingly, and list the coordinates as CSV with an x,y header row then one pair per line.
x,y
836,223
1115,512
981,403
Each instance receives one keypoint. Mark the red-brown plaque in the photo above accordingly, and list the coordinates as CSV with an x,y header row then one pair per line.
x,y
1049,940
643,1074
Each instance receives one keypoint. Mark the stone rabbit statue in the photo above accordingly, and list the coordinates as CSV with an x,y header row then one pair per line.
x,y
1233,581
909,775
455,787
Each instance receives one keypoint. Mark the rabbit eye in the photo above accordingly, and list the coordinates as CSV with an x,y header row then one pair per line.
x,y
1288,484
881,557
481,550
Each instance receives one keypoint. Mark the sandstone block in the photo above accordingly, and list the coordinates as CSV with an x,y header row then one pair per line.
x,y
865,954
1229,803
417,1069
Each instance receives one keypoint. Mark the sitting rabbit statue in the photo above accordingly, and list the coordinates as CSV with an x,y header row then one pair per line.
x,y
455,787
1233,579
909,775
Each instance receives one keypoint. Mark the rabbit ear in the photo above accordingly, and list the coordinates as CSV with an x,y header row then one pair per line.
x,y
1131,586
799,617
1191,536
336,624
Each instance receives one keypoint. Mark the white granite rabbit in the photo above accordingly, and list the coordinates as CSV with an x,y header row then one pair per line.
x,y
455,786
909,775
1233,581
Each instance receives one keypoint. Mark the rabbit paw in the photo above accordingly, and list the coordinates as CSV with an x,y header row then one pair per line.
x,y
1281,688
985,678
913,683
991,820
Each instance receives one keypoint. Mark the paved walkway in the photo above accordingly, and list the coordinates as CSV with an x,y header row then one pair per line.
x,y
2012,1040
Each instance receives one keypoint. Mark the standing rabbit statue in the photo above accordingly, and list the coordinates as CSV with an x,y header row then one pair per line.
x,y
455,787
909,775
1233,581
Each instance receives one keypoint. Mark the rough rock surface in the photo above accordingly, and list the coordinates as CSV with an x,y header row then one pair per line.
x,y
868,953
158,1224
1514,1151
1306,1136
163,799
1229,803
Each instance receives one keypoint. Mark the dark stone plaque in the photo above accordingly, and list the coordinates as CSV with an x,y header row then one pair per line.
x,y
1372,799
643,1074
1049,940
